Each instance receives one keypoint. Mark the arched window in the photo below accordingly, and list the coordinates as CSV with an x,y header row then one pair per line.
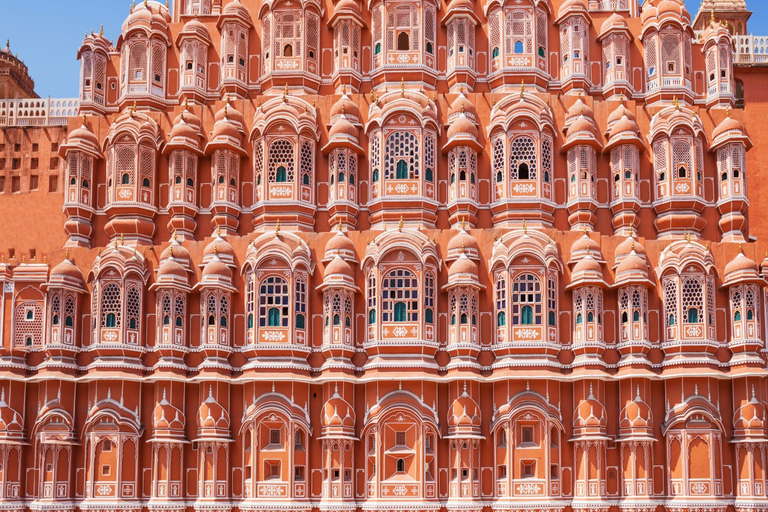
x,y
522,159
400,466
273,302
403,42
693,299
402,156
281,166
111,306
400,297
526,300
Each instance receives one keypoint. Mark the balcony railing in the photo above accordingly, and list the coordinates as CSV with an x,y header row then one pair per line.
x,y
38,111
751,50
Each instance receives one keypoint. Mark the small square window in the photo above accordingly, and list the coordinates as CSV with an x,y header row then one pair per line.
x,y
298,473
528,469
35,147
54,163
17,147
2,163
527,434
2,147
34,182
34,163
2,184
502,471
105,470
274,436
15,184
16,164
54,146
400,438
53,183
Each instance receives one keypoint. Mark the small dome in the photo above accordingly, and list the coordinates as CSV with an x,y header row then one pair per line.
x,y
212,418
750,417
624,125
231,114
589,415
342,127
220,247
338,268
571,6
463,242
669,6
345,106
66,271
632,264
338,416
464,416
579,108
627,246
740,269
581,124
462,126
583,246
462,267
178,251
462,104
10,421
348,6
171,268
167,418
460,5
82,135
341,245
620,113
587,264
613,22
729,124
235,8
217,268
636,415
225,128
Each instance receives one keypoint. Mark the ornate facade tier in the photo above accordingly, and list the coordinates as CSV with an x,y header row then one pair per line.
x,y
390,256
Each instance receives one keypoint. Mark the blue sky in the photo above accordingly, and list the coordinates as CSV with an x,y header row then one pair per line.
x,y
47,33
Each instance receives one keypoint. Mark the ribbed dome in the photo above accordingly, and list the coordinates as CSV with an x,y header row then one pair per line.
x,y
10,420
178,251
82,135
636,415
579,108
338,416
462,104
590,415
613,22
584,245
624,126
648,14
338,267
344,128
740,264
66,271
217,268
587,264
462,266
619,113
231,114
729,124
571,6
462,127
212,418
171,268
341,245
463,242
235,8
627,246
669,6
750,417
167,418
345,105
219,245
464,416
460,5
632,264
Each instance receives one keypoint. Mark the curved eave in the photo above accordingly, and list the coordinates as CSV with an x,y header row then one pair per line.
x,y
341,285
625,138
89,150
631,281
163,285
455,142
61,286
730,139
580,140
587,281
217,285
347,14
458,282
220,144
173,145
452,13
342,143
613,30
736,280
572,13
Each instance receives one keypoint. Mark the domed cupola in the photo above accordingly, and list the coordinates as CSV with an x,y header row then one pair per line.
x,y
216,273
338,417
464,417
340,245
582,131
173,272
636,419
462,148
730,130
344,129
82,139
749,420
741,269
221,248
186,133
577,110
212,419
589,418
168,421
463,243
11,422
228,130
623,129
66,275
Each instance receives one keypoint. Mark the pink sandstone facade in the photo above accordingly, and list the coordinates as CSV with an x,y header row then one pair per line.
x,y
391,256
